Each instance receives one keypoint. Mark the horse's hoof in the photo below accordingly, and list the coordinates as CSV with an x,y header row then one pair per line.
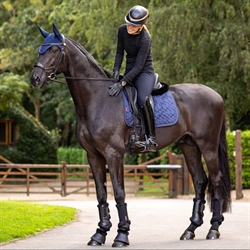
x,y
121,240
187,235
94,243
213,234
119,244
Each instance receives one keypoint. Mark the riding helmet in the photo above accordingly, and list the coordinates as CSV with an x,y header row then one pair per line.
x,y
137,16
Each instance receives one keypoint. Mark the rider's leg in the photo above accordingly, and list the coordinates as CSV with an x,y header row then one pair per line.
x,y
144,83
149,144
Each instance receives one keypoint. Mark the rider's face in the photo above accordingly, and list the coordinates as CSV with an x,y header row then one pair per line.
x,y
133,29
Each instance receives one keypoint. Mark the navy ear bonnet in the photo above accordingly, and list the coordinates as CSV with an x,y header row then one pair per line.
x,y
54,39
50,41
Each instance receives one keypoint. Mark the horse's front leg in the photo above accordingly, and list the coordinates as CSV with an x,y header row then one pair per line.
x,y
116,169
98,167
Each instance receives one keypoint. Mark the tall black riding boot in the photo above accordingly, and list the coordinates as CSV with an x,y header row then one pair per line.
x,y
149,144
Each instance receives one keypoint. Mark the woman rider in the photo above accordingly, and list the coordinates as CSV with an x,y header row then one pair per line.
x,y
135,39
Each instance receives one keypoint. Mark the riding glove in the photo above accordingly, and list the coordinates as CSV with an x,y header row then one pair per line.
x,y
116,74
116,88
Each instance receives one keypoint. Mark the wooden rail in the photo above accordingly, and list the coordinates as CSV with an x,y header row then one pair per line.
x,y
66,179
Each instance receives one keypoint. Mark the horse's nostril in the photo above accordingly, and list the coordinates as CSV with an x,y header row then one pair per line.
x,y
37,79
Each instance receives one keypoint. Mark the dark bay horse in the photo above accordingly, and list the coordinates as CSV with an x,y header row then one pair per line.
x,y
102,132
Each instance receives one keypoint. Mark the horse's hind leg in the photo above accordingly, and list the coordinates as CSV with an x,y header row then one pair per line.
x,y
192,156
219,185
215,194
98,167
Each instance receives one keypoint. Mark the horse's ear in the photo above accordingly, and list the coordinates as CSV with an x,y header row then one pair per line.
x,y
57,32
43,32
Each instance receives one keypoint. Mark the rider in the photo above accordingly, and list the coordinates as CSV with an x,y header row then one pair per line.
x,y
135,40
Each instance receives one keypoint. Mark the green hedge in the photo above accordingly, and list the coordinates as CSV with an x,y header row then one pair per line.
x,y
245,145
72,156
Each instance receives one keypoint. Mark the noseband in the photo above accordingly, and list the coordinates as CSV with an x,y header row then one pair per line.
x,y
53,76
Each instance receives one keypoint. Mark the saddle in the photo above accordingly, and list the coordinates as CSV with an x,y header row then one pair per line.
x,y
136,119
131,94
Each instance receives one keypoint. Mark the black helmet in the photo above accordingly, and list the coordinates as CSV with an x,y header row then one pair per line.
x,y
137,16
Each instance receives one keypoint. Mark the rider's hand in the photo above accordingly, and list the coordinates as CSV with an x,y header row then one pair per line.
x,y
116,75
116,88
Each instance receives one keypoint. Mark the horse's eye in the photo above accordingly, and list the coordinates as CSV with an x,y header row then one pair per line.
x,y
54,50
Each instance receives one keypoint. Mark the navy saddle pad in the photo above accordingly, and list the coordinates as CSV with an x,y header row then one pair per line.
x,y
165,110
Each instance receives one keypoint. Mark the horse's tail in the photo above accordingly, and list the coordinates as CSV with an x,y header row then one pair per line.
x,y
224,169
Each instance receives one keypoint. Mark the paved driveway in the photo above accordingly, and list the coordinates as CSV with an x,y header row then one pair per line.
x,y
157,223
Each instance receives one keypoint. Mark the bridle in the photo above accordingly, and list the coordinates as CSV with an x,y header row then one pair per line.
x,y
53,76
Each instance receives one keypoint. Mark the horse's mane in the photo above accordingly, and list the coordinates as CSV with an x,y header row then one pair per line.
x,y
86,53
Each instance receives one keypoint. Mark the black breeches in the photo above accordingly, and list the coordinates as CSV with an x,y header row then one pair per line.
x,y
144,83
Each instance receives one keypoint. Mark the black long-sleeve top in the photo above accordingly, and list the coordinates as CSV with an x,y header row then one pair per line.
x,y
138,53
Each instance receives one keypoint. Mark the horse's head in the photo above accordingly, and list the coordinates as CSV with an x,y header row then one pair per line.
x,y
49,63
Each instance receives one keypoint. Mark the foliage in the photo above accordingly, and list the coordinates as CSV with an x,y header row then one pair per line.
x,y
35,144
12,88
21,219
200,41
72,155
131,159
245,144
205,42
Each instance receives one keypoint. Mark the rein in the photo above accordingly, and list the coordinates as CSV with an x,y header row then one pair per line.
x,y
53,76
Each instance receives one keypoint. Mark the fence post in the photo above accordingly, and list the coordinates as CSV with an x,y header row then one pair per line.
x,y
28,181
238,165
87,180
185,176
173,176
63,180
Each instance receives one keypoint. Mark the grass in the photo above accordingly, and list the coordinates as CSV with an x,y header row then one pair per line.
x,y
150,188
21,219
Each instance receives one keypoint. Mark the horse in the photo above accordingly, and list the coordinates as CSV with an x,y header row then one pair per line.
x,y
102,132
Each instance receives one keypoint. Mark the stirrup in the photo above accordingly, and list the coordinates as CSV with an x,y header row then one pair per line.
x,y
149,145
152,141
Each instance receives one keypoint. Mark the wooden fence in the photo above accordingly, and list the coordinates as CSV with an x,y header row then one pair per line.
x,y
67,179
171,179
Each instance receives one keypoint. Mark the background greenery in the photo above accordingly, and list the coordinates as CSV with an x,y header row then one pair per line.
x,y
72,155
245,142
34,145
203,41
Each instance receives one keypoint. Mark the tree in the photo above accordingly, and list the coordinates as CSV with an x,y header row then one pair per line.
x,y
12,88
205,42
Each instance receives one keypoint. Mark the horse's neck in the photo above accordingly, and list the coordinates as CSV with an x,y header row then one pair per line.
x,y
86,93
83,66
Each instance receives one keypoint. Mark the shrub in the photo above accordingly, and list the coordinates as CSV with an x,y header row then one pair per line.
x,y
72,155
35,144
245,145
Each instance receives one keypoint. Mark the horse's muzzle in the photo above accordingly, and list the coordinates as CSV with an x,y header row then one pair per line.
x,y
36,80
